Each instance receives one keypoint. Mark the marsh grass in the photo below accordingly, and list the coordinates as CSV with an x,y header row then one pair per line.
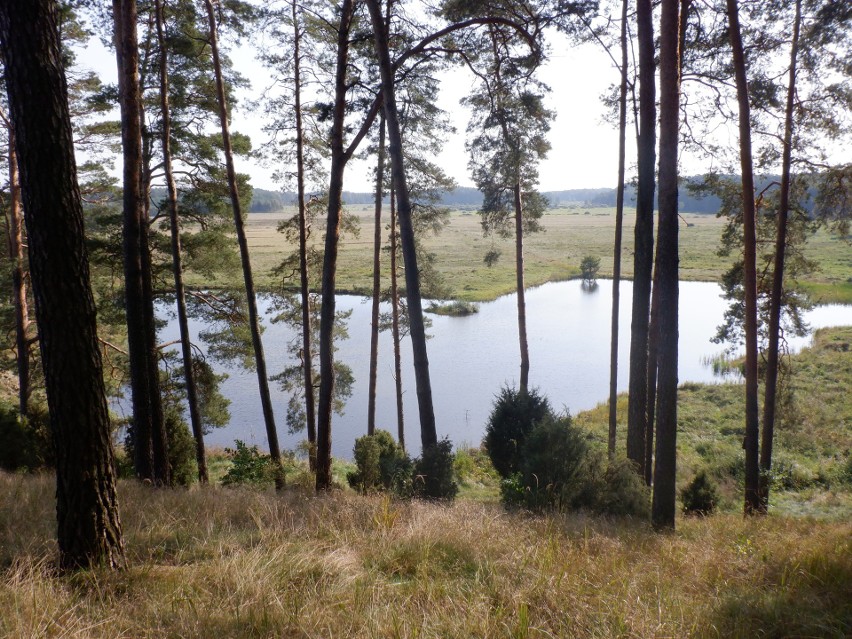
x,y
218,562
550,256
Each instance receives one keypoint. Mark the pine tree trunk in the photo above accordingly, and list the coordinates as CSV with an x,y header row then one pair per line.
x,y
428,430
177,266
377,282
752,428
304,288
772,355
329,263
519,285
133,229
616,256
397,355
643,239
89,529
664,494
653,364
248,278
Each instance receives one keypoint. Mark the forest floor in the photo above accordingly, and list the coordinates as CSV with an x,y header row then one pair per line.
x,y
569,235
241,562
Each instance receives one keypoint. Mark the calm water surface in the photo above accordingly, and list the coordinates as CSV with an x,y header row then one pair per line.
x,y
471,357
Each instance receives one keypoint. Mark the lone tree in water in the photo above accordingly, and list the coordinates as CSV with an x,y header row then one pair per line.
x,y
89,530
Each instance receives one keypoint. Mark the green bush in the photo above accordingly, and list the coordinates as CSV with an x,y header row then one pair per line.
x,y
623,492
182,463
25,443
699,497
434,477
381,465
248,467
512,418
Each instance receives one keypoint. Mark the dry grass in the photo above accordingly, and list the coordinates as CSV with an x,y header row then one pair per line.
x,y
553,255
237,563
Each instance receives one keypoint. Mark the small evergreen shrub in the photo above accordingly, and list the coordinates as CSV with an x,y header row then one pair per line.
x,y
381,465
434,477
623,492
182,463
25,442
699,497
512,418
248,467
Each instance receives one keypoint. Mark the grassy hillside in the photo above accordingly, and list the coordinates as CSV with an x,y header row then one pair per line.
x,y
570,234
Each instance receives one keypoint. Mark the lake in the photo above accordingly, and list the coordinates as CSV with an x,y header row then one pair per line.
x,y
471,357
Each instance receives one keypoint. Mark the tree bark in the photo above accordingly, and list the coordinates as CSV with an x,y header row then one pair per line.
x,y
772,355
428,430
89,529
377,282
519,285
752,429
177,266
329,263
616,256
651,384
248,278
307,347
643,239
664,493
397,355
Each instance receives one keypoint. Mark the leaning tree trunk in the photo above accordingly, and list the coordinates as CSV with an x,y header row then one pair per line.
x,y
616,254
133,230
771,379
519,285
752,429
377,283
643,238
397,355
177,266
89,529
428,431
304,288
15,239
664,494
239,225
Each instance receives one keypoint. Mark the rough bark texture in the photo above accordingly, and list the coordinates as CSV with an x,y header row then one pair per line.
x,y
643,238
428,430
771,379
177,265
304,287
397,355
329,263
89,530
377,282
664,495
133,229
519,287
616,255
751,444
248,278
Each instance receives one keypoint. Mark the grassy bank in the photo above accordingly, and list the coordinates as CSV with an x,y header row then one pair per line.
x,y
570,235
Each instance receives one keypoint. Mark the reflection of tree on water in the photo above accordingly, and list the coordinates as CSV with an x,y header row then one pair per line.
x,y
589,287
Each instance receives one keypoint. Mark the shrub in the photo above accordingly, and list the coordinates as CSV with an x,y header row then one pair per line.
x,y
589,267
433,473
623,492
182,464
512,418
381,464
699,497
248,466
25,442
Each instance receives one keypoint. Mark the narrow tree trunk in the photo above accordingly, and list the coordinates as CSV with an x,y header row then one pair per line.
x,y
329,263
616,256
653,364
519,285
664,493
752,428
239,225
89,529
397,356
307,348
127,57
377,282
177,266
643,238
428,430
19,285
771,380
